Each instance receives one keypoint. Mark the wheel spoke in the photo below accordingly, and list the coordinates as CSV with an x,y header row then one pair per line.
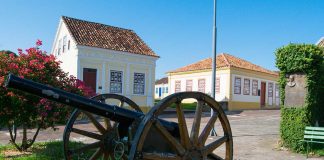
x,y
86,133
212,146
177,146
196,124
107,123
107,156
96,155
160,156
184,136
205,133
214,156
100,128
86,147
121,104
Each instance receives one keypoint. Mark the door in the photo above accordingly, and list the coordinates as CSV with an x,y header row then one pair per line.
x,y
262,94
160,92
90,78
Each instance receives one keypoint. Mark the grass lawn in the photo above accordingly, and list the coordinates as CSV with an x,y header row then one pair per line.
x,y
187,106
40,150
54,151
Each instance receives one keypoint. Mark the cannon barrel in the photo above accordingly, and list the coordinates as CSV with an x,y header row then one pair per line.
x,y
113,112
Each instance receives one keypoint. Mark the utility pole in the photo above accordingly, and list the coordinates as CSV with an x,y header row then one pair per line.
x,y
213,132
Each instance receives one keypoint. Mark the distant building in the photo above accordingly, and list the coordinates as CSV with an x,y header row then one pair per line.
x,y
320,42
239,83
108,59
161,88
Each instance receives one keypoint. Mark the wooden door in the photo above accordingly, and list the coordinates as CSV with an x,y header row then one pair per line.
x,y
90,78
262,93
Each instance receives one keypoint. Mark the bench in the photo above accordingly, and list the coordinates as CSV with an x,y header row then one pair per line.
x,y
313,135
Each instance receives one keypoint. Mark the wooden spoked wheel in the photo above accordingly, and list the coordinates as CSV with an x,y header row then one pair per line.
x,y
187,146
89,136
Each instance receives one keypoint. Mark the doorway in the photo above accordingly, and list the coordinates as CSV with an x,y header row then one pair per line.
x,y
90,78
160,92
262,94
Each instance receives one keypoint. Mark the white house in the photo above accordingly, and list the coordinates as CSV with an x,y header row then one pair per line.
x,y
108,59
161,88
239,84
320,42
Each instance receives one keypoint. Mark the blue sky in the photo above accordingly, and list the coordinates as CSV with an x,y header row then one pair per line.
x,y
180,31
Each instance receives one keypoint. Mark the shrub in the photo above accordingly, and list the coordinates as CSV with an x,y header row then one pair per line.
x,y
292,125
20,109
307,59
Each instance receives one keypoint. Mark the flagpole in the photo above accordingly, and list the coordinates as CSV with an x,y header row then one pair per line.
x,y
213,132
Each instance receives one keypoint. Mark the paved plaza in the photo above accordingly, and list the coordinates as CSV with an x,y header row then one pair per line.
x,y
255,135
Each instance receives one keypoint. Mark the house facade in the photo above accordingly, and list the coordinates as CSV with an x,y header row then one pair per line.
x,y
161,88
239,83
320,42
108,59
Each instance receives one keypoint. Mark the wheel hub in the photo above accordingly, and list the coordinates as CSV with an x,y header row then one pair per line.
x,y
193,154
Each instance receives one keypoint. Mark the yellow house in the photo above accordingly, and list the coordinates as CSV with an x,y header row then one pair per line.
x,y
239,84
108,59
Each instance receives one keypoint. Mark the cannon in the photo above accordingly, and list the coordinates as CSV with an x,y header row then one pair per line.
x,y
122,131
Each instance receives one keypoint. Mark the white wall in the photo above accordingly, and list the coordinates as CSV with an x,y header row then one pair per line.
x,y
163,93
69,58
105,60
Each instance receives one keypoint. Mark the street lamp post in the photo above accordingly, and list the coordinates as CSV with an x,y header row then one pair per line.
x,y
213,132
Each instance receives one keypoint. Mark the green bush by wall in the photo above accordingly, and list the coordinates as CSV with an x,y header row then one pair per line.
x,y
308,59
292,125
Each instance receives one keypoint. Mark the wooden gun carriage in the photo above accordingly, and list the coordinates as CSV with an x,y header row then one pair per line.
x,y
123,131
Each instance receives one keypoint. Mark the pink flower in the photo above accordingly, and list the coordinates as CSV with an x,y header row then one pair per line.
x,y
39,42
19,51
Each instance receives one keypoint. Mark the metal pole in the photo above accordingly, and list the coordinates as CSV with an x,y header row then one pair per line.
x,y
213,132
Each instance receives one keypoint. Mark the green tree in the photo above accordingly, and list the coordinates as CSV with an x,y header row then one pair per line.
x,y
20,109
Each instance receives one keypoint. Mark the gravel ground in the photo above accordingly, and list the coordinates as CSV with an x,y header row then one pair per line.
x,y
255,135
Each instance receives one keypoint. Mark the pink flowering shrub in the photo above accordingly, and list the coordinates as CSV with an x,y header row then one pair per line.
x,y
28,111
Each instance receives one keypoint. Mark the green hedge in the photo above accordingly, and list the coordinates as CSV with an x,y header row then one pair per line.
x,y
292,127
308,59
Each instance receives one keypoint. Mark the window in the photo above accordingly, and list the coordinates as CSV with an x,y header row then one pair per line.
x,y
188,85
69,45
166,90
64,44
177,86
139,83
162,89
116,80
237,85
201,85
246,87
59,47
277,91
156,90
217,87
270,90
255,87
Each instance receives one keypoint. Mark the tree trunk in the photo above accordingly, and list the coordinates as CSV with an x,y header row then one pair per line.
x,y
25,142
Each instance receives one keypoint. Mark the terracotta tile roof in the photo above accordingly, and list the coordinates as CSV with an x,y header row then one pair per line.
x,y
321,42
162,81
222,61
108,37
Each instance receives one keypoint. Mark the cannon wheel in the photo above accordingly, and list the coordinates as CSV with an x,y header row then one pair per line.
x,y
187,146
106,133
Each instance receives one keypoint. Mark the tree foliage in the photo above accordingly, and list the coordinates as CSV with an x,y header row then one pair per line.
x,y
307,59
20,109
